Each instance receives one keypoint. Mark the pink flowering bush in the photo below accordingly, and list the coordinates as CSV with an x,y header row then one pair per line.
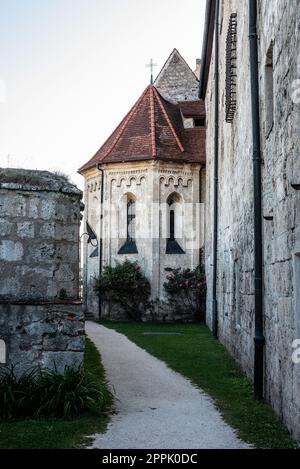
x,y
126,285
186,290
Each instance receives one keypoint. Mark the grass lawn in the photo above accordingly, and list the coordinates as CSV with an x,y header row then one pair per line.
x,y
56,433
198,356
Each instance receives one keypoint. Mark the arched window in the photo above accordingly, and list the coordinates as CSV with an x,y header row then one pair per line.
x,y
129,247
172,245
130,220
2,352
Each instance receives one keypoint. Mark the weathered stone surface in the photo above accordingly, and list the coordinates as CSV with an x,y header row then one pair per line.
x,y
176,81
34,335
25,229
39,235
11,251
5,227
60,361
39,256
278,22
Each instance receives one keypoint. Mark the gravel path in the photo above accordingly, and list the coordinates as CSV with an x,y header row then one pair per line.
x,y
156,407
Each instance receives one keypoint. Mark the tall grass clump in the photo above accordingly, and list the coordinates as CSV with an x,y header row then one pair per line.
x,y
48,393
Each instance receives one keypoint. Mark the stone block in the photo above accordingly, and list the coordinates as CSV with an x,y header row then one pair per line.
x,y
5,227
47,230
59,361
11,251
25,229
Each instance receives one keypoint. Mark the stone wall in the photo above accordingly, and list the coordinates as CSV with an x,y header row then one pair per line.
x,y
40,311
42,334
176,81
278,23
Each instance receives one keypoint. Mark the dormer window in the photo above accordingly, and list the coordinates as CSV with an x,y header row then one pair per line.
x,y
192,122
199,122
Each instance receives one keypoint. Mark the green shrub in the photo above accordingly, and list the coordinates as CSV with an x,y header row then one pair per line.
x,y
125,284
16,393
48,393
186,291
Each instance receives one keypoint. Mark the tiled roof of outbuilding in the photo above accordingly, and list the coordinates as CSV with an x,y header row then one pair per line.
x,y
153,129
192,108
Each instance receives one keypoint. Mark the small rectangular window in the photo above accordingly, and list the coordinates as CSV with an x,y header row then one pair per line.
x,y
2,351
200,122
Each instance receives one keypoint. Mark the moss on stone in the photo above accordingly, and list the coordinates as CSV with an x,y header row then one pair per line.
x,y
26,179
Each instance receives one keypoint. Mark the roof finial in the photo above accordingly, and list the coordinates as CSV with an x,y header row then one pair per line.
x,y
151,65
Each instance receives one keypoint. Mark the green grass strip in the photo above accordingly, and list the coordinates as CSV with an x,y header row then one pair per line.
x,y
198,356
57,433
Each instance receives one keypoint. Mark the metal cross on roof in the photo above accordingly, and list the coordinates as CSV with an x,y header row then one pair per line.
x,y
151,65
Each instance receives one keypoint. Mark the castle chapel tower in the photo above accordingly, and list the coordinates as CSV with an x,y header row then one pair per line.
x,y
149,176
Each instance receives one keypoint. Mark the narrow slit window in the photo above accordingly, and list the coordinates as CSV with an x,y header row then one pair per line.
x,y
269,90
2,352
131,220
172,225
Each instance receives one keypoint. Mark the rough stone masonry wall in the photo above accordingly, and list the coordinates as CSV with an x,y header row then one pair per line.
x,y
41,321
176,81
278,21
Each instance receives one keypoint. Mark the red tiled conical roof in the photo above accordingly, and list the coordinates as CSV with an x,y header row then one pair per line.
x,y
152,129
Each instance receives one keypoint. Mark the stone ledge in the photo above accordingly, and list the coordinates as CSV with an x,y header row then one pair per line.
x,y
33,180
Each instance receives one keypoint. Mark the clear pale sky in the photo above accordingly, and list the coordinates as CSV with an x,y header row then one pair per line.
x,y
71,69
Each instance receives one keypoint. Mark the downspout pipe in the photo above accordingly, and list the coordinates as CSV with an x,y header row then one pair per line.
x,y
204,64
101,234
216,180
85,283
259,339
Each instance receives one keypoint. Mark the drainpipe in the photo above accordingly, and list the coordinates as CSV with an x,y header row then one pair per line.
x,y
216,179
259,340
85,284
100,240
